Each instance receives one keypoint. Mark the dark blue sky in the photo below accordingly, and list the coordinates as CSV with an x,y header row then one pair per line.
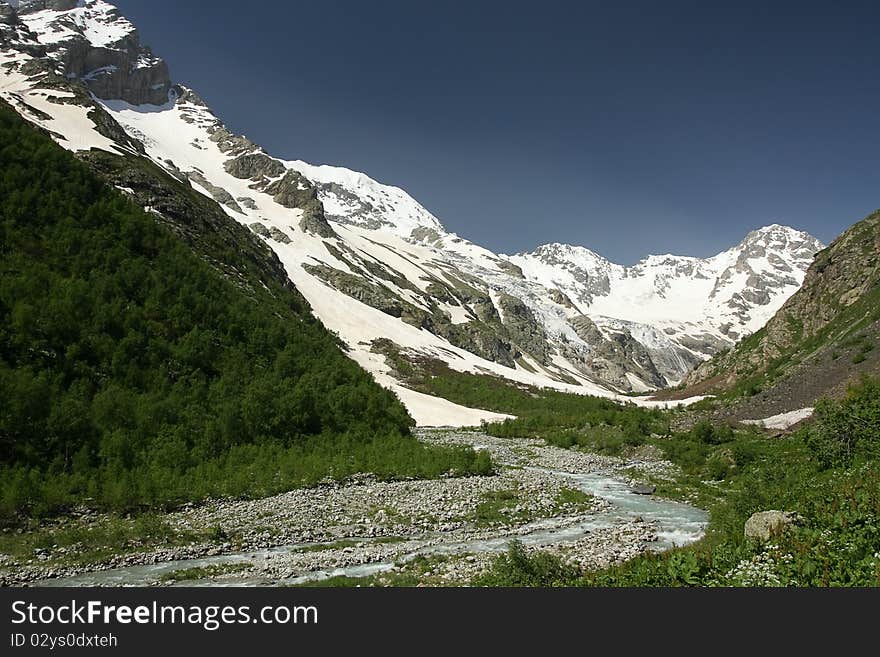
x,y
628,127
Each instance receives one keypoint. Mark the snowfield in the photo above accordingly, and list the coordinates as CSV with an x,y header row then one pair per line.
x,y
783,420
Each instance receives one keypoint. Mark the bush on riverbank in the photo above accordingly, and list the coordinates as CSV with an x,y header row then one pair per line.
x,y
241,471
518,567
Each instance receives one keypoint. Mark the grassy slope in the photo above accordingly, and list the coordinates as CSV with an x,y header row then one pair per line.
x,y
141,369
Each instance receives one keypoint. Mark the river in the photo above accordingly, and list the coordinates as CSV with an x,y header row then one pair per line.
x,y
673,524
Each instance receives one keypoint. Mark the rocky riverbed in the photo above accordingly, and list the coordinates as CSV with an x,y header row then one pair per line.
x,y
444,531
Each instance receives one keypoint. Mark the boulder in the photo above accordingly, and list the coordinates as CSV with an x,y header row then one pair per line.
x,y
762,526
644,489
250,165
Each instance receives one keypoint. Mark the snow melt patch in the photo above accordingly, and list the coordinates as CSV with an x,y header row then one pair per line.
x,y
97,21
783,420
430,411
69,124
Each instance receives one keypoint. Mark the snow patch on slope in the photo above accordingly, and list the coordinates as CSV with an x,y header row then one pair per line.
x,y
783,420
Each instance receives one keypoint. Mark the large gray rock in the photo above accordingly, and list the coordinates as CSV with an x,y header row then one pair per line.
x,y
762,526
31,6
524,329
7,15
218,193
250,166
131,75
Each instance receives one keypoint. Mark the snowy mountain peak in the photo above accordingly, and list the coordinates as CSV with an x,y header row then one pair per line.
x,y
30,6
727,296
59,21
377,267
353,198
559,250
780,237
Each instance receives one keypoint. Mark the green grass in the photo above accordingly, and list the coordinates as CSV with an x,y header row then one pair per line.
x,y
203,572
560,418
495,508
77,542
571,501
572,497
351,542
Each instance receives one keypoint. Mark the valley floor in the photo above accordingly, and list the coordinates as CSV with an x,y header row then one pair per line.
x,y
577,505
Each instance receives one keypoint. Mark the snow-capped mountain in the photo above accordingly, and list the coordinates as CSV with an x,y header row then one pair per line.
x,y
703,303
378,268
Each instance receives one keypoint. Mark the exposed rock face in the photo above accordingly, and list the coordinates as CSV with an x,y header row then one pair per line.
x,y
31,6
561,298
486,336
7,15
132,75
110,60
524,329
251,166
279,236
234,145
510,268
260,229
292,190
425,234
611,358
764,525
270,233
373,295
220,195
360,212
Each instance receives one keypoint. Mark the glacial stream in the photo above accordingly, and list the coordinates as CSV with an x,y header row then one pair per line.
x,y
676,524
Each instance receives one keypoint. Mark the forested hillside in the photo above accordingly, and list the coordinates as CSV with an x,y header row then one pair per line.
x,y
133,372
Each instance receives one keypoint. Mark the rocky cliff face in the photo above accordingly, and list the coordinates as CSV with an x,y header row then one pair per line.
x,y
372,262
90,41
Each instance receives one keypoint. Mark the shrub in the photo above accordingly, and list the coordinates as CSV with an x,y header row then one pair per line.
x,y
519,568
707,433
718,468
846,430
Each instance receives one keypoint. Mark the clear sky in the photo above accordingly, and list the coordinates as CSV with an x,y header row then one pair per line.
x,y
627,127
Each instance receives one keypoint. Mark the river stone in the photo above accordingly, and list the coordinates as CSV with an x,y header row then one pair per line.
x,y
764,525
644,489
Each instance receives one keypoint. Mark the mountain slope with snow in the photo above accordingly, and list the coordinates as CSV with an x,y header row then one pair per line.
x,y
373,263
